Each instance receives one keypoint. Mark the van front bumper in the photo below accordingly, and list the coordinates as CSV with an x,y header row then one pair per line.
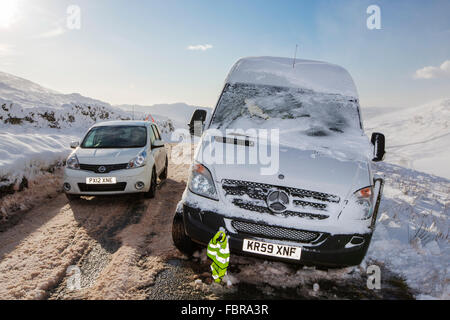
x,y
328,251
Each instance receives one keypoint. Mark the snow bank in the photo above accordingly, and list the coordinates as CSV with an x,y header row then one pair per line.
x,y
26,154
412,232
308,74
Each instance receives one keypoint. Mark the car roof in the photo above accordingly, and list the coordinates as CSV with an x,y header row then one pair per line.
x,y
124,123
283,72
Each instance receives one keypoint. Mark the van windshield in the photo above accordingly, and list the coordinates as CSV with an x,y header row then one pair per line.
x,y
304,111
112,137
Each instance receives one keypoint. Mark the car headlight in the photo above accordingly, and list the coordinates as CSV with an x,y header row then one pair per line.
x,y
139,161
200,182
362,201
72,162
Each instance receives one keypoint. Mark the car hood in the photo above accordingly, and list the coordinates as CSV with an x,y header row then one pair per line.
x,y
297,168
106,156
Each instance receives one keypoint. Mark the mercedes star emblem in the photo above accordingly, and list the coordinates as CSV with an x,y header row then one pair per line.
x,y
278,200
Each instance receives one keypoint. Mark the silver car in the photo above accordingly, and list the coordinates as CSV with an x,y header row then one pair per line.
x,y
116,157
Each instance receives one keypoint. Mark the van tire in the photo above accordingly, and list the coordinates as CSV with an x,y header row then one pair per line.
x,y
150,194
181,241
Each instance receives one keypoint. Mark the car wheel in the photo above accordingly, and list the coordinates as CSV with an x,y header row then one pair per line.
x,y
181,241
72,197
163,174
150,194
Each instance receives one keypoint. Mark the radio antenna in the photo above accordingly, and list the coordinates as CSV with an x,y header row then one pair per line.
x,y
295,56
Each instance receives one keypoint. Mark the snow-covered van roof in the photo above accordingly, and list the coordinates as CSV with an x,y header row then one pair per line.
x,y
315,75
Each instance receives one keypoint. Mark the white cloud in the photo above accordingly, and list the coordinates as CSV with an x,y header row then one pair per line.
x,y
52,33
201,47
432,72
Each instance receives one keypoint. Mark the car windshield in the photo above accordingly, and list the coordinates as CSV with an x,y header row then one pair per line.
x,y
112,137
300,111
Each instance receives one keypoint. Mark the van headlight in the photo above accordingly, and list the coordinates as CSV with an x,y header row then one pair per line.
x,y
200,182
139,161
362,201
72,162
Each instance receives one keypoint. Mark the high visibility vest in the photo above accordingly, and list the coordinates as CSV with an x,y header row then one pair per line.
x,y
219,252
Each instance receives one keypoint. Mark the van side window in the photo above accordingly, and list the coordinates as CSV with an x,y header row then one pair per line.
x,y
156,131
152,136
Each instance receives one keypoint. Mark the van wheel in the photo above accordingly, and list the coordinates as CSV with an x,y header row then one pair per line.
x,y
72,197
163,175
150,194
181,241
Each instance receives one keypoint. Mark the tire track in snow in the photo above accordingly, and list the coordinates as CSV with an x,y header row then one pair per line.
x,y
103,246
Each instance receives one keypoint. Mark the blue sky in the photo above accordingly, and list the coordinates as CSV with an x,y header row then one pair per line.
x,y
136,52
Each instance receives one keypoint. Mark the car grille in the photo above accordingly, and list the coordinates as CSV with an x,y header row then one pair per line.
x,y
102,187
108,167
306,203
275,232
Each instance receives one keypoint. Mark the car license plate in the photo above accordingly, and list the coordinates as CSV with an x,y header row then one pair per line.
x,y
101,180
272,249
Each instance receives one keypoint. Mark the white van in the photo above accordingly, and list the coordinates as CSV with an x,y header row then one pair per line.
x,y
310,197
116,157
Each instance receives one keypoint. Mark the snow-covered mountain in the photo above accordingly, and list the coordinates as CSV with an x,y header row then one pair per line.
x,y
29,94
418,137
179,113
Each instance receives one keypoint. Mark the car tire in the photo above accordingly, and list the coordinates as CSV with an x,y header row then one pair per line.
x,y
72,197
181,241
150,194
164,173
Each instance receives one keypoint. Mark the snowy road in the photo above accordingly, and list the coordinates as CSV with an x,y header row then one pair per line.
x,y
123,248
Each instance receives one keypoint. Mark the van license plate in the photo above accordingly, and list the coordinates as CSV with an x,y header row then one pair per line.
x,y
101,180
272,249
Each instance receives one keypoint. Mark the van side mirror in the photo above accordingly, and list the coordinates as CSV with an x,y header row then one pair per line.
x,y
196,124
158,144
74,144
378,141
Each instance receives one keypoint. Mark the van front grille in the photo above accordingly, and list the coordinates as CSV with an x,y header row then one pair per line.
x,y
264,209
252,196
272,232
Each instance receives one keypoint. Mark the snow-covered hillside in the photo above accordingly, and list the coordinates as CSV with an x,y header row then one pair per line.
x,y
179,113
417,137
37,125
29,94
412,233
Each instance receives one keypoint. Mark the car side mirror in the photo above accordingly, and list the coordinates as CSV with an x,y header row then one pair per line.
x,y
196,124
74,144
158,144
378,141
